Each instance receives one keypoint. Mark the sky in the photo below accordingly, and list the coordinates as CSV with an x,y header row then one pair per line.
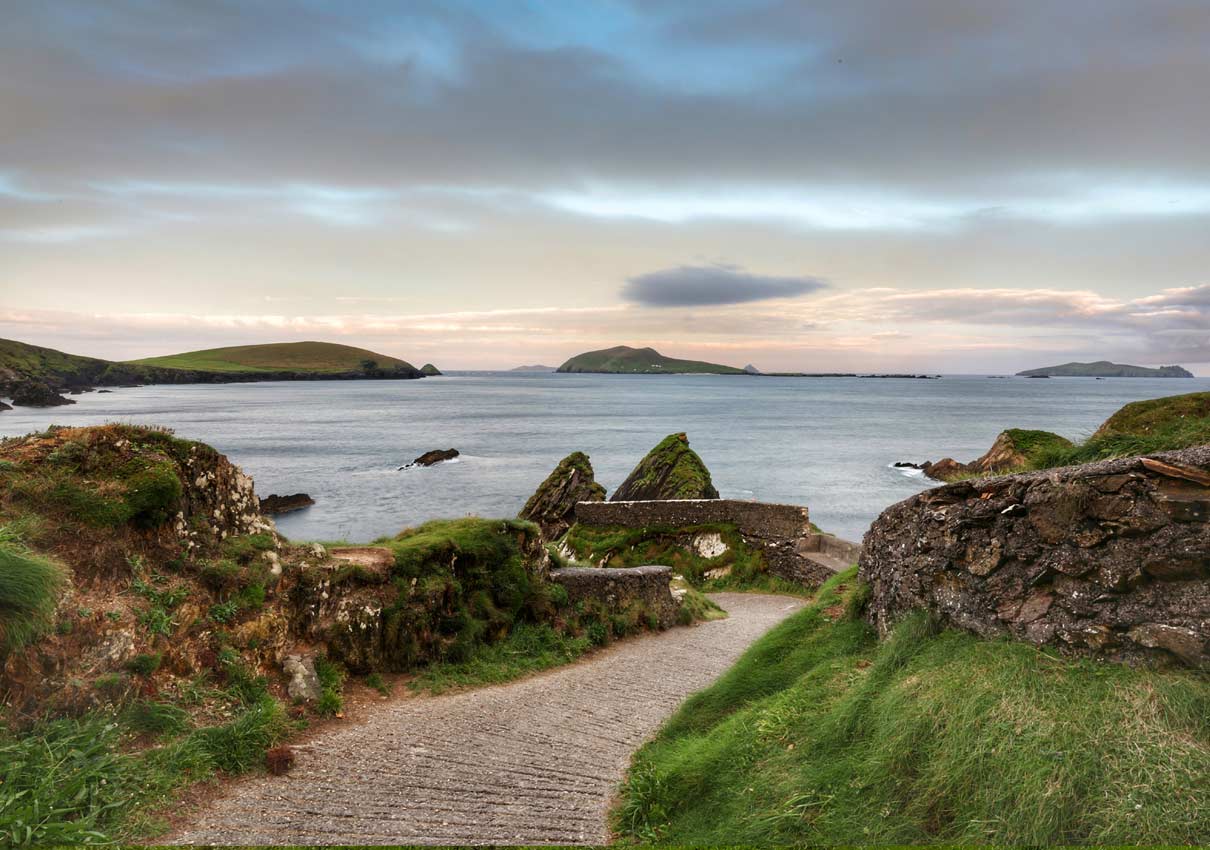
x,y
958,186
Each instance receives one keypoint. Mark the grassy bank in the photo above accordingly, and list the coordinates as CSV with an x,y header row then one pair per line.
x,y
822,735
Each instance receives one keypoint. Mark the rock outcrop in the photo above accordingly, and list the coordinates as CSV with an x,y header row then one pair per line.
x,y
275,504
553,504
37,394
671,470
1110,559
429,370
1014,449
434,456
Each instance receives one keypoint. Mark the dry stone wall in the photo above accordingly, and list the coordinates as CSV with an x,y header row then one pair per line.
x,y
783,533
1110,559
617,589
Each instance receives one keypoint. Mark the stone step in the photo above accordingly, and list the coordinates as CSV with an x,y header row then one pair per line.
x,y
829,562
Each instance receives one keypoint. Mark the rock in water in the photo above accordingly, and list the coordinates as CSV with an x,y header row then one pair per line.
x,y
553,504
284,504
38,394
432,457
1110,559
671,470
4,406
429,370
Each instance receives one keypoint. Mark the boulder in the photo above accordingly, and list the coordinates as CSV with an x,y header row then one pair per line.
x,y
303,684
671,470
275,504
553,505
431,457
945,469
4,406
37,394
1110,559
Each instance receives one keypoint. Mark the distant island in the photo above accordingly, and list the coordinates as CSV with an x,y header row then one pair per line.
x,y
1105,369
624,360
34,376
535,368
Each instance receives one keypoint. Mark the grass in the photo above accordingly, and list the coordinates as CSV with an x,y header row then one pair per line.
x,y
822,735
529,648
77,781
30,586
462,584
277,357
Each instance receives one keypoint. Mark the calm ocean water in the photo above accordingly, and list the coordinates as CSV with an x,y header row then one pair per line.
x,y
822,442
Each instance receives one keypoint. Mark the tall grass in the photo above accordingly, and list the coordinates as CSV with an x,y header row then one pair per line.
x,y
30,586
75,781
822,735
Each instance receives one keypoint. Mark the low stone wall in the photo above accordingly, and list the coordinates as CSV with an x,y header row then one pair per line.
x,y
619,588
1110,559
753,519
782,532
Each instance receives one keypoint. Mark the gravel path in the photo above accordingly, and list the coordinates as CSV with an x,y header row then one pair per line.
x,y
532,762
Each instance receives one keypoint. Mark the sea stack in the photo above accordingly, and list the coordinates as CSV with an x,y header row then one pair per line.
x,y
671,470
553,504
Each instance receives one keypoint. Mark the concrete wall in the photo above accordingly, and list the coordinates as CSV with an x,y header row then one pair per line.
x,y
619,588
753,519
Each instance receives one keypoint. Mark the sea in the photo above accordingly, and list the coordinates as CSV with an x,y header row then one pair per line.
x,y
827,443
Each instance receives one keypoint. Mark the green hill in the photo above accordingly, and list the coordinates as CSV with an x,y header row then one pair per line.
x,y
22,361
279,357
624,360
1105,369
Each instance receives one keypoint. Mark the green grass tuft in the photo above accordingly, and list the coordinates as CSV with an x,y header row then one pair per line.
x,y
822,735
30,587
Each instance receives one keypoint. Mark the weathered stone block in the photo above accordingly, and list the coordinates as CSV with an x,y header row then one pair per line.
x,y
1110,558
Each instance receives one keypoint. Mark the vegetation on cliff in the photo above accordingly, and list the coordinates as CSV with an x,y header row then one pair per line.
x,y
671,470
821,735
1105,369
1138,428
624,360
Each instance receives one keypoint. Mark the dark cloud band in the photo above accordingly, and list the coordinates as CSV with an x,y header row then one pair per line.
x,y
700,286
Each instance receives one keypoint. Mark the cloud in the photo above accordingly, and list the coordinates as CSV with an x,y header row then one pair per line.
x,y
699,286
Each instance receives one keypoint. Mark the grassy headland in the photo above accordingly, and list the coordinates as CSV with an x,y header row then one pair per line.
x,y
23,365
624,360
279,357
1105,369
821,735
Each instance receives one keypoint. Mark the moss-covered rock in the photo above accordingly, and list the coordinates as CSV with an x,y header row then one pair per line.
x,y
553,504
671,470
1014,450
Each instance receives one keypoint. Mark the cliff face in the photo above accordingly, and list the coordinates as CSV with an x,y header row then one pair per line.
x,y
1109,559
553,504
671,470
